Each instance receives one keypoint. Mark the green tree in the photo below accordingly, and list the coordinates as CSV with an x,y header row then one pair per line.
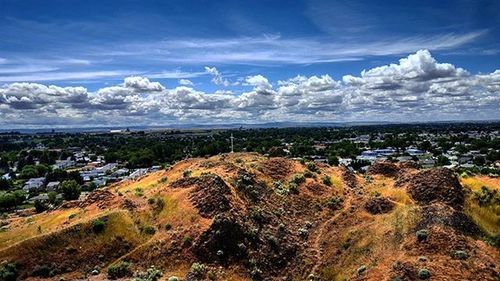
x,y
442,161
70,190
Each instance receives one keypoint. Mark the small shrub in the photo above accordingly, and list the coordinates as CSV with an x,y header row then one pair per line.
x,y
98,226
303,232
422,258
187,173
187,241
43,271
486,196
8,272
311,166
293,188
361,269
334,203
119,270
173,278
298,179
168,226
139,192
256,274
424,274
309,174
258,216
163,180
157,204
327,180
280,188
422,235
198,269
148,229
461,255
151,274
211,275
72,216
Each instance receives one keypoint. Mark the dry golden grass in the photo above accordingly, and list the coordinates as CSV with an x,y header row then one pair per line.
x,y
475,183
25,228
383,186
487,217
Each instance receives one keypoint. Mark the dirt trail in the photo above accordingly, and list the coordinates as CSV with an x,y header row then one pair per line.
x,y
316,246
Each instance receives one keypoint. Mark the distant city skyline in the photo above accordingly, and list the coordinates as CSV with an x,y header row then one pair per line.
x,y
160,63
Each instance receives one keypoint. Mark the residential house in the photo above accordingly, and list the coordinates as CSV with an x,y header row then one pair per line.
x,y
52,186
33,184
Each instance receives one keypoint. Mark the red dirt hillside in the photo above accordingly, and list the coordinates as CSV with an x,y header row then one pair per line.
x,y
244,216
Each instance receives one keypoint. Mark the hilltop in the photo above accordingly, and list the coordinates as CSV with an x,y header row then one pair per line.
x,y
244,216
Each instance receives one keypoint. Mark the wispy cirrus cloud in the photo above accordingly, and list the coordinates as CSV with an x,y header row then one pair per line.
x,y
44,74
275,49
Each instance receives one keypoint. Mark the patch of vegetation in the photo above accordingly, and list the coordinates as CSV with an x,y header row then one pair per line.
x,y
187,173
147,229
486,196
422,235
163,180
187,241
9,200
327,180
334,203
151,274
280,188
293,188
43,271
118,270
98,226
361,269
298,179
8,272
157,204
424,274
139,192
303,232
308,174
70,190
311,166
40,206
198,269
461,255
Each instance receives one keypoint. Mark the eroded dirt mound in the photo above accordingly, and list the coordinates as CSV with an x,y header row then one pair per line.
x,y
101,198
349,178
211,195
440,240
443,215
379,205
225,236
436,185
406,165
277,168
385,168
390,169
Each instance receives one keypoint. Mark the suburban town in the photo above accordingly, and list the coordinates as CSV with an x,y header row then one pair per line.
x,y
40,168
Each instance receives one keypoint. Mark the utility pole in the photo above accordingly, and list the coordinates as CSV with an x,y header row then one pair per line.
x,y
232,144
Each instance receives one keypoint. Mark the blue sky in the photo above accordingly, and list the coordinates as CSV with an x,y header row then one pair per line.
x,y
216,46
